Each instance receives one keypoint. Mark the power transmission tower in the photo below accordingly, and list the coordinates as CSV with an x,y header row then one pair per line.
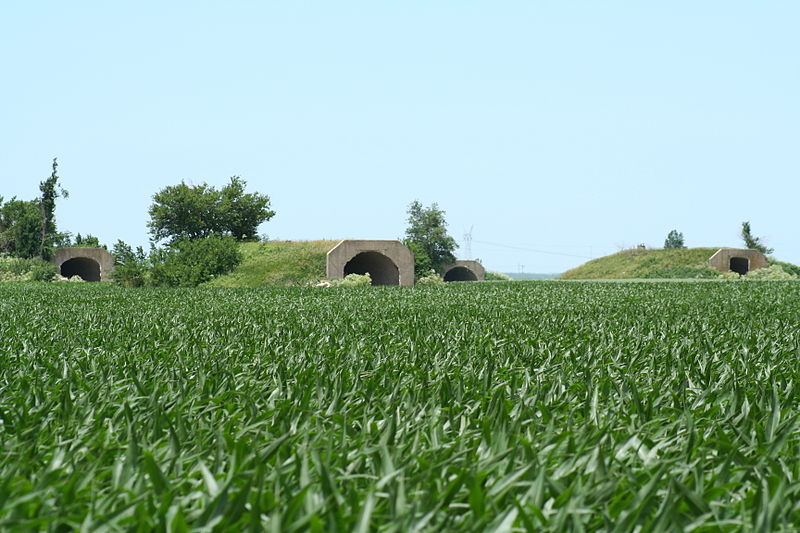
x,y
468,243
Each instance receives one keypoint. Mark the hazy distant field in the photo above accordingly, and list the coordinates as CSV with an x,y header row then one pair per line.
x,y
499,406
526,276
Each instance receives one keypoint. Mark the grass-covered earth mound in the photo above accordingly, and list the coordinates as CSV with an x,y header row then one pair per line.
x,y
282,263
683,263
686,263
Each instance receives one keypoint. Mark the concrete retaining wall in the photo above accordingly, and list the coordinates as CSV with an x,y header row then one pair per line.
x,y
721,260
464,270
92,264
388,262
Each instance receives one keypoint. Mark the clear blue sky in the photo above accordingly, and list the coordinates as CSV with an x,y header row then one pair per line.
x,y
566,127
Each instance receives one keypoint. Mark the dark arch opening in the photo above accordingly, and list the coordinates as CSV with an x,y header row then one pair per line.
x,y
382,269
87,269
740,265
460,274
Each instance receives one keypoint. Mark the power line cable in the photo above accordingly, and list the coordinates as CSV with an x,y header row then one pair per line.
x,y
531,249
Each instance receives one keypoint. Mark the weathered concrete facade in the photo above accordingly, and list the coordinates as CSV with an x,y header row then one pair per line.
x,y
464,270
91,264
737,260
388,262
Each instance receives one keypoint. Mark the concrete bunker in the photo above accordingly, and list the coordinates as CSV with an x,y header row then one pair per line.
x,y
464,270
460,274
737,260
740,265
91,264
388,262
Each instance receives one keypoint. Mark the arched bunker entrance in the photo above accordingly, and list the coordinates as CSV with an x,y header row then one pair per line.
x,y
382,270
87,269
460,274
388,262
91,264
464,270
737,260
740,265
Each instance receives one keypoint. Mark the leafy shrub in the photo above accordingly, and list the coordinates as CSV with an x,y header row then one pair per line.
x,y
774,272
88,241
42,270
422,262
7,265
794,270
497,276
18,269
190,262
8,270
431,279
15,266
76,279
131,268
353,280
350,280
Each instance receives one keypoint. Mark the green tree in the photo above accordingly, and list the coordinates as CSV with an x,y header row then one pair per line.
x,y
422,263
753,243
426,236
20,228
241,213
131,267
182,211
88,241
674,240
51,189
190,262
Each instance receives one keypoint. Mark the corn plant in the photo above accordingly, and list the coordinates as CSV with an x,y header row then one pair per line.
x,y
543,406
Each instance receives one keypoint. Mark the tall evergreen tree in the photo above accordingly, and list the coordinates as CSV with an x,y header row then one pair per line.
x,y
752,242
674,240
50,189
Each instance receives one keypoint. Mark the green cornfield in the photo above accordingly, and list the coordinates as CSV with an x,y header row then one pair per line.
x,y
541,406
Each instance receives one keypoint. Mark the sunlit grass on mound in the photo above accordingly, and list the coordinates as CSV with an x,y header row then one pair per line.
x,y
277,263
672,263
538,406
